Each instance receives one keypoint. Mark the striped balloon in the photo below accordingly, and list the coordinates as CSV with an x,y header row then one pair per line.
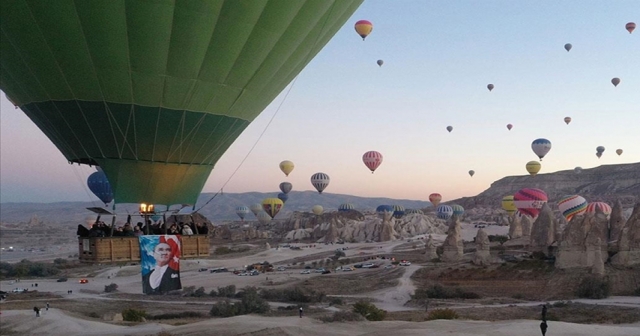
x,y
381,209
529,201
256,208
413,211
435,199
372,160
242,211
458,210
444,211
541,147
602,206
272,206
345,207
572,205
320,181
398,211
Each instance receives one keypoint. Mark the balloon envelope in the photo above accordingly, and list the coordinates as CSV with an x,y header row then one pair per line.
x,y
619,152
283,197
287,167
472,172
568,47
533,167
272,206
630,27
567,120
541,147
600,149
449,128
363,28
572,205
398,211
256,208
380,62
286,187
99,186
414,211
372,160
435,199
242,211
615,81
317,210
458,210
444,211
156,92
320,181
594,207
509,126
381,209
346,207
263,217
529,201
508,205
578,170
490,87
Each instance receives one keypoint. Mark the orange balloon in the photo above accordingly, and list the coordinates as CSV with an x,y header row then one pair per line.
x,y
363,28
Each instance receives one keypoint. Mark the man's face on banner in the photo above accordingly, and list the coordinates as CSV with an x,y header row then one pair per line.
x,y
162,254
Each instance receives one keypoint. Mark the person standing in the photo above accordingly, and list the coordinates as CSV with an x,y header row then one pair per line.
x,y
300,312
47,305
543,327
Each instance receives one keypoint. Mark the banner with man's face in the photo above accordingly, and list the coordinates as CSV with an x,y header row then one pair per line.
x,y
160,263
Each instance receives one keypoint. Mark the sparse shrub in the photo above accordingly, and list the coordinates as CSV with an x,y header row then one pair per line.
x,y
518,296
213,293
439,250
593,288
110,288
442,314
222,250
188,291
59,261
134,315
369,311
538,255
199,292
334,301
224,309
297,294
92,315
498,238
168,316
342,316
440,292
637,292
560,304
338,254
227,291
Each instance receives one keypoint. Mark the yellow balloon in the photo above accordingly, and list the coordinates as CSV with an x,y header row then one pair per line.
x,y
287,167
317,210
533,167
272,206
508,205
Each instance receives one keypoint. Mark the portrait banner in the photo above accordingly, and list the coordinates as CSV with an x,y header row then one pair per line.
x,y
160,263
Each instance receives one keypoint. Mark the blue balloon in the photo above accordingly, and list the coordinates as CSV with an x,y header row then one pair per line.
x,y
384,208
99,185
283,197
444,211
398,211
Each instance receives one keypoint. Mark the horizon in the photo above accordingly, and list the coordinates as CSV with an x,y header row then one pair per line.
x,y
438,59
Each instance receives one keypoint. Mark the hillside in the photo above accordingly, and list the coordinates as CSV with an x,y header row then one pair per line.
x,y
604,183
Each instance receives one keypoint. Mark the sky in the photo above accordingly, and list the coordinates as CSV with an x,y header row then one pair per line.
x,y
438,58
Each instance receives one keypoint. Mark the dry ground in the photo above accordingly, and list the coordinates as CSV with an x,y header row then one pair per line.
x,y
356,282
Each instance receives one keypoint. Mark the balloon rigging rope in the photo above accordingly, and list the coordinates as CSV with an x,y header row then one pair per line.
x,y
315,44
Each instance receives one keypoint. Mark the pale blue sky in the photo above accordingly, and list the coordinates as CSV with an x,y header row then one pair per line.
x,y
439,56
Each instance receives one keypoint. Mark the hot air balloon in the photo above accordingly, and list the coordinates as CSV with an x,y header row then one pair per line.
x,y
155,93
272,206
345,207
599,151
242,211
630,27
490,87
372,160
449,128
398,211
529,201
317,210
263,217
435,199
283,197
380,62
472,172
567,120
363,28
508,205
572,205
533,167
619,152
603,207
615,81
458,210
256,208
578,170
99,186
567,47
541,147
444,211
287,167
414,211
509,126
286,187
382,209
320,181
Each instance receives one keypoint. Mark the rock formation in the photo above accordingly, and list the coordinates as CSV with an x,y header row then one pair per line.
x,y
430,249
598,263
515,227
582,243
616,222
452,247
629,242
267,245
388,232
543,231
482,256
527,224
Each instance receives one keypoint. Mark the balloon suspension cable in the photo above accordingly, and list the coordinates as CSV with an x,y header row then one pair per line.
x,y
272,117
83,183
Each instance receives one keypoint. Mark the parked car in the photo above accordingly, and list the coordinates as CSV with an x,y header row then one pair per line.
x,y
19,290
319,270
84,281
282,268
202,270
368,265
326,272
62,280
305,272
347,269
388,267
405,263
358,265
254,272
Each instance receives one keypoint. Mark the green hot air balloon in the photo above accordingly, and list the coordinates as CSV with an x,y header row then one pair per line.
x,y
154,92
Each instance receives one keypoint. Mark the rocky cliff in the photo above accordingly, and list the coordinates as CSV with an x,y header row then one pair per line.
x,y
606,183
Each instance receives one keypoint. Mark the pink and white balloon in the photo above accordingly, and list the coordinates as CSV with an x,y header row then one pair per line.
x,y
605,208
372,160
